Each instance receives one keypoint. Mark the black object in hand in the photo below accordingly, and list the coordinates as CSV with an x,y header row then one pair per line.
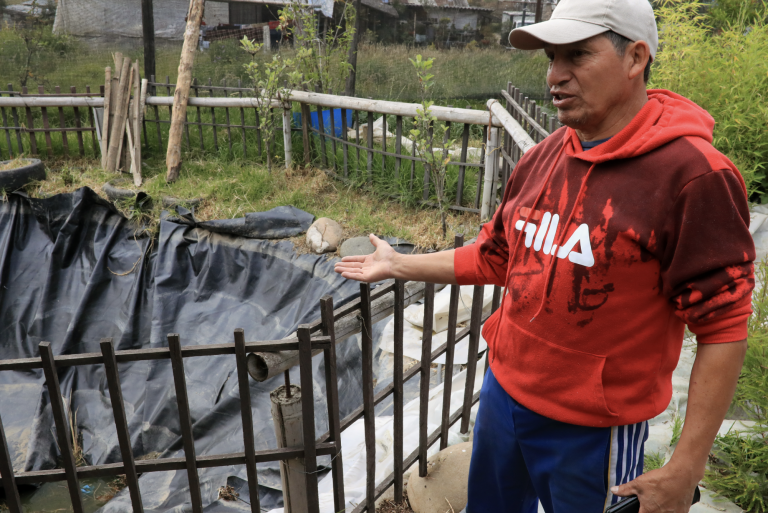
x,y
632,504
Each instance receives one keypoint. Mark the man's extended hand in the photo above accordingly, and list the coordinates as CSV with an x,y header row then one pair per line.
x,y
665,490
369,268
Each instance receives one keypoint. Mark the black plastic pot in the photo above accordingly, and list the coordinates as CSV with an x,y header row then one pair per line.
x,y
16,178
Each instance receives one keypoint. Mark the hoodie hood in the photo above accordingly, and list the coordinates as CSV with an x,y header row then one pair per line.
x,y
665,117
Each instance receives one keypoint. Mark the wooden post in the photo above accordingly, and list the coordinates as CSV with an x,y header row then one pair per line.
x,y
352,57
181,95
287,135
105,116
491,158
120,108
266,36
539,13
148,35
287,417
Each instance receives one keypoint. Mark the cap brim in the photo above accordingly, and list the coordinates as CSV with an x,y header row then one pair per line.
x,y
554,32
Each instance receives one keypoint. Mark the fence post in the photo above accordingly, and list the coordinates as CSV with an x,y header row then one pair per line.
x,y
267,37
491,159
287,135
289,426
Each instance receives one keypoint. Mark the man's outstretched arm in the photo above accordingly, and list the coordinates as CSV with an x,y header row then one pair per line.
x,y
712,385
385,263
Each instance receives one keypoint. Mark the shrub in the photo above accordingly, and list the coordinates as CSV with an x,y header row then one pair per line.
x,y
724,72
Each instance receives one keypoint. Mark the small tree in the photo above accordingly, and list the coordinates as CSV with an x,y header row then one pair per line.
x,y
321,59
431,139
32,46
266,78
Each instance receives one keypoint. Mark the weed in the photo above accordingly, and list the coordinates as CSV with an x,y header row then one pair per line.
x,y
653,461
677,429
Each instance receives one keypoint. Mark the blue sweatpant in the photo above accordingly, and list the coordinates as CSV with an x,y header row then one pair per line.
x,y
520,457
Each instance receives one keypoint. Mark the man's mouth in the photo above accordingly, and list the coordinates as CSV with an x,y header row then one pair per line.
x,y
561,99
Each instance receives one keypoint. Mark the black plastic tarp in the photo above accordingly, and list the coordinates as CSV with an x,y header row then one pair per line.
x,y
73,270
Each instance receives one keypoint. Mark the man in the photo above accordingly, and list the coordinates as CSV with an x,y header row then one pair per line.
x,y
615,232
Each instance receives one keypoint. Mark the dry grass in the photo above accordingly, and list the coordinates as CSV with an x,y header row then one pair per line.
x,y
13,164
390,506
228,493
111,488
232,189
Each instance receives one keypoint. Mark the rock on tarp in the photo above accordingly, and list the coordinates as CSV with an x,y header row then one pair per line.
x,y
73,271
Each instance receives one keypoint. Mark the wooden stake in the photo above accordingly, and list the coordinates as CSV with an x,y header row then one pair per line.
x,y
118,125
105,116
122,116
136,127
181,95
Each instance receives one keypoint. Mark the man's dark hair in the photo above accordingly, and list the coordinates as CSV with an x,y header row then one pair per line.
x,y
620,44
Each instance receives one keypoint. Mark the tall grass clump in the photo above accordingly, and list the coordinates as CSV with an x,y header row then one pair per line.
x,y
724,71
741,459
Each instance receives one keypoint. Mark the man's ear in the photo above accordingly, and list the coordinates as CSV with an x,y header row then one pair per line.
x,y
637,53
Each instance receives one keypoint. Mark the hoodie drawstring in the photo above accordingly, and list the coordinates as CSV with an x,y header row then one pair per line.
x,y
511,261
553,254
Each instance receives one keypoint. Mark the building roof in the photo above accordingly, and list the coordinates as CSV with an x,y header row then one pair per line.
x,y
446,4
381,7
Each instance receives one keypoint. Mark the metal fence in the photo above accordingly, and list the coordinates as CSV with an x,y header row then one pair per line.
x,y
225,118
391,297
517,124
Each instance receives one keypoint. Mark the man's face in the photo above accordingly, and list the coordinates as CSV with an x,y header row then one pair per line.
x,y
587,80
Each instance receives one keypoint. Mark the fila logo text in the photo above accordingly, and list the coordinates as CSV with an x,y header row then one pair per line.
x,y
542,238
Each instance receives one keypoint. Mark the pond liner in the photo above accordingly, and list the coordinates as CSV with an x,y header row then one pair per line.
x,y
73,270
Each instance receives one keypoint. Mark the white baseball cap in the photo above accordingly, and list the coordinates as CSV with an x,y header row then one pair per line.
x,y
576,20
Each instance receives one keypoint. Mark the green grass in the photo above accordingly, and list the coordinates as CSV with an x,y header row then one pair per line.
x,y
384,71
230,188
652,462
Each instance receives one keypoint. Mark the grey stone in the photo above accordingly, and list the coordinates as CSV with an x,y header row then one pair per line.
x,y
357,246
324,235
444,488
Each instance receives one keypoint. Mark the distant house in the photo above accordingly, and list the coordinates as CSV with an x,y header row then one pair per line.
x,y
521,14
446,22
122,18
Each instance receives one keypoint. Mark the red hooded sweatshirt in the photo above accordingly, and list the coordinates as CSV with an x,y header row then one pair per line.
x,y
607,255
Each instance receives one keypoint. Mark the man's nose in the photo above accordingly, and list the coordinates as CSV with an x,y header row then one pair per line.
x,y
558,72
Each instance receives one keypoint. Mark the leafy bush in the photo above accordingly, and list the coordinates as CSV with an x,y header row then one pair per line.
x,y
739,471
725,72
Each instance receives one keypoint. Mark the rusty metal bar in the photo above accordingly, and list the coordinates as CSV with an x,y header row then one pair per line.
x,y
62,426
185,420
474,342
12,499
426,363
245,412
332,397
168,464
453,313
121,423
368,404
308,417
397,381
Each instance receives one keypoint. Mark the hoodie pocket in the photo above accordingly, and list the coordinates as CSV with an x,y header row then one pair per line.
x,y
557,378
